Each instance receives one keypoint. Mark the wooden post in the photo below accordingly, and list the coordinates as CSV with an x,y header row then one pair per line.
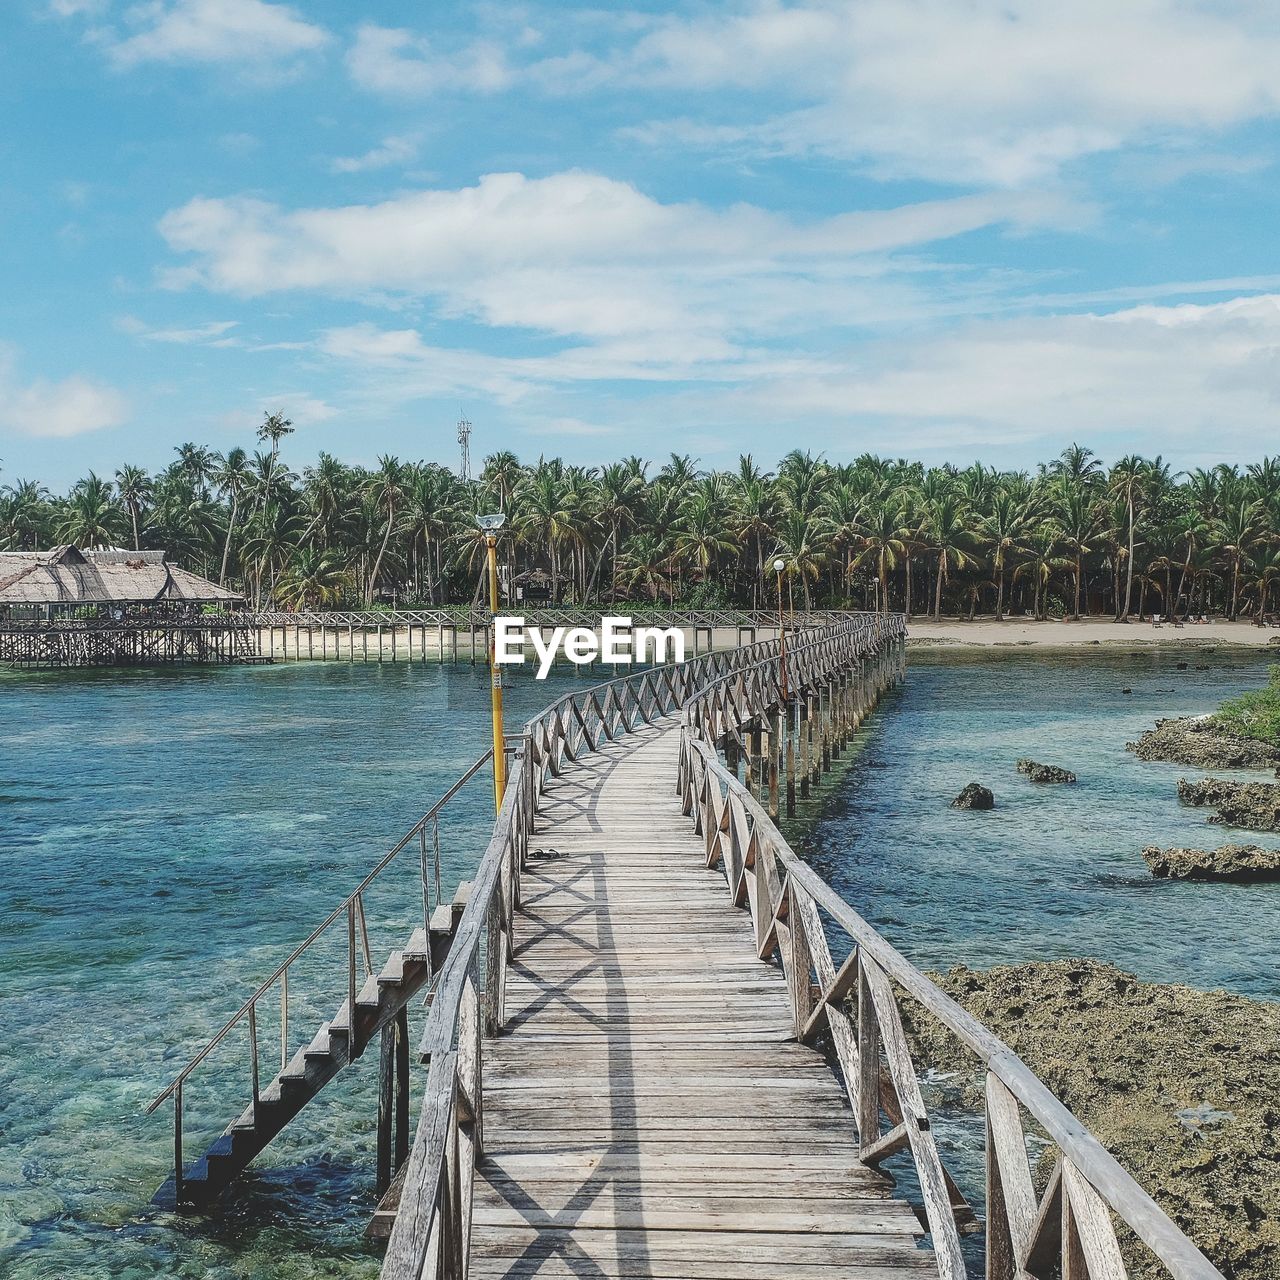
x,y
776,730
815,738
402,1088
803,732
827,719
790,739
253,1055
386,1103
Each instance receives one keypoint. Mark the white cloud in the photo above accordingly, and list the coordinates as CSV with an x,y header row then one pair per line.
x,y
574,254
57,410
1002,91
214,333
398,63
300,407
74,8
391,151
1185,380
1164,379
213,31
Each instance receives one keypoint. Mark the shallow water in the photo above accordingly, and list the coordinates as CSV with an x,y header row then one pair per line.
x,y
166,837
1053,871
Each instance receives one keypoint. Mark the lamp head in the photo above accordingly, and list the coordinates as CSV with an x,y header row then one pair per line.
x,y
491,524
779,564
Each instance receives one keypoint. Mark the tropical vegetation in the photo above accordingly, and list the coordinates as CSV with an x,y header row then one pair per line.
x,y
1255,714
1075,538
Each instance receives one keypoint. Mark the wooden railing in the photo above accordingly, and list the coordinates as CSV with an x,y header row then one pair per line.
x,y
425,834
551,616
432,1232
1065,1231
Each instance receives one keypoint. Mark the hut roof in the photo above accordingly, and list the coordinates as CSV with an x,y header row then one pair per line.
x,y
70,576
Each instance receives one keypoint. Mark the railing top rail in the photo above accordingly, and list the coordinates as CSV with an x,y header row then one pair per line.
x,y
533,613
767,649
437,1035
894,624
382,864
1121,1191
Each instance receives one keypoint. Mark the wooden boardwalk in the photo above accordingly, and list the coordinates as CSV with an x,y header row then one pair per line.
x,y
648,1111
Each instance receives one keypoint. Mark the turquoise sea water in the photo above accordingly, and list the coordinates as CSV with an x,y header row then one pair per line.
x,y
1053,871
166,837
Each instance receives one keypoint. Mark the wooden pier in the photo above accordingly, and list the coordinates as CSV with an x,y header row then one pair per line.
x,y
648,1109
659,1045
215,640
462,635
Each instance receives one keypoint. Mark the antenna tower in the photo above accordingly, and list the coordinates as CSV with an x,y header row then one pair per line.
x,y
464,439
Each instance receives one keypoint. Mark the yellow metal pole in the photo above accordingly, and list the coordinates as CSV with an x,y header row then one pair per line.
x,y
495,678
782,643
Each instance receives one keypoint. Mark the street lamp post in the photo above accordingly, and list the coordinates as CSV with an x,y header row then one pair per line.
x,y
778,566
490,526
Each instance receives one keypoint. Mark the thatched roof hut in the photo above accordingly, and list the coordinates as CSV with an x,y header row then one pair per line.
x,y
70,578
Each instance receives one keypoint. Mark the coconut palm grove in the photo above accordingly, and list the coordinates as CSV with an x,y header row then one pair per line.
x,y
1080,537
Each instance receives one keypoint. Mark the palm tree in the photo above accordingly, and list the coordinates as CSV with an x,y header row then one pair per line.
x,y
91,517
543,514
701,537
271,543
26,509
881,541
231,479
326,489
1040,562
1077,468
274,427
1005,529
197,463
1239,530
1076,510
947,534
387,487
644,565
134,487
800,544
1126,483
618,492
314,578
1189,529
1266,575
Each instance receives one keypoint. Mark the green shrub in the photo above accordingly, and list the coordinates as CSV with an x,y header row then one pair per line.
x,y
1255,714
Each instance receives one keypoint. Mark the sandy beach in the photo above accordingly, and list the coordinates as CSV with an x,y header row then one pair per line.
x,y
988,633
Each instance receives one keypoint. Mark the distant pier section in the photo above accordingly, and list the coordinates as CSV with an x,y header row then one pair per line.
x,y
462,634
68,607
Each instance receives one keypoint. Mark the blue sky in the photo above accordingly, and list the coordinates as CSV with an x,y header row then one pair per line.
x,y
947,229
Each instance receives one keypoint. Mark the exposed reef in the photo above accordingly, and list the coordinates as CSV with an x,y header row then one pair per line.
x,y
1230,862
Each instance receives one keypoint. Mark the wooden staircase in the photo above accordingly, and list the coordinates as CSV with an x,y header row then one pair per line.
x,y
338,1043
